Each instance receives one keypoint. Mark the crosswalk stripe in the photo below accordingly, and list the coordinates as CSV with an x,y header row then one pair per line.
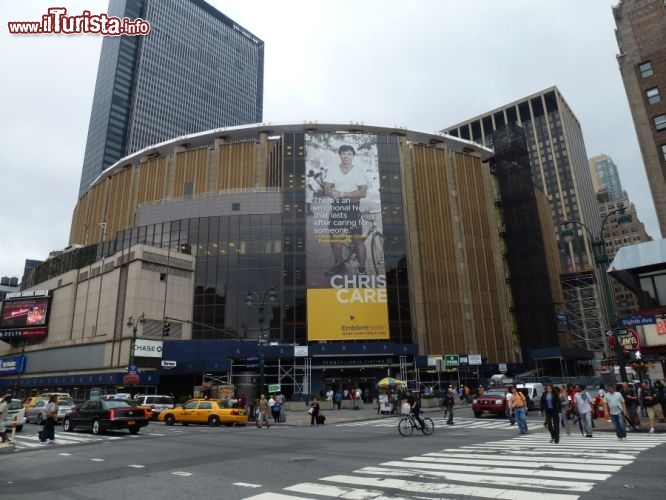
x,y
584,476
503,480
443,489
465,454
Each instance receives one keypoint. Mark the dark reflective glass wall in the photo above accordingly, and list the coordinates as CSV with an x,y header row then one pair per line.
x,y
234,255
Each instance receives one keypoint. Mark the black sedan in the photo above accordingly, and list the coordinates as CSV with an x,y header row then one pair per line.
x,y
102,415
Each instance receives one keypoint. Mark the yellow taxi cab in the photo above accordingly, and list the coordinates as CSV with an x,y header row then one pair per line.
x,y
28,402
205,411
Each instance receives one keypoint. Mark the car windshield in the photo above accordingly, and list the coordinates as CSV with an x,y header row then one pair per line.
x,y
15,404
65,403
115,403
494,394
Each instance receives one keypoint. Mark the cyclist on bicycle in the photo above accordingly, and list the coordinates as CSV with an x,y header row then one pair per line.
x,y
415,406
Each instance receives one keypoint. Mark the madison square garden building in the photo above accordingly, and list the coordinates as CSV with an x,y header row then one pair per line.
x,y
364,251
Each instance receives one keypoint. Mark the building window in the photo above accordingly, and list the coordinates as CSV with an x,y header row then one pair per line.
x,y
653,95
660,122
663,147
646,69
235,207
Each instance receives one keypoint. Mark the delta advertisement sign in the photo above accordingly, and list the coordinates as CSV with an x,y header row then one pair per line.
x,y
346,280
25,314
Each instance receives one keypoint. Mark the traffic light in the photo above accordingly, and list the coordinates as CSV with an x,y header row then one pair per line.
x,y
166,328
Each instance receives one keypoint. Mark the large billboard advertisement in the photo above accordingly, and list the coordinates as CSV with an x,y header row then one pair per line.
x,y
25,314
346,281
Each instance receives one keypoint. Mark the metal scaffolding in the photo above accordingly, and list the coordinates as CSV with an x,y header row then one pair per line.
x,y
582,298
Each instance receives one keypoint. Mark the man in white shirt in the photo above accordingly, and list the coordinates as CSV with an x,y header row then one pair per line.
x,y
584,409
616,408
347,184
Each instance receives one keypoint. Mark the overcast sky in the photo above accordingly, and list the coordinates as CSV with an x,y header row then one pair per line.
x,y
421,64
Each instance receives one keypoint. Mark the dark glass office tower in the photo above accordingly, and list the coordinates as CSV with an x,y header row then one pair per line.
x,y
196,70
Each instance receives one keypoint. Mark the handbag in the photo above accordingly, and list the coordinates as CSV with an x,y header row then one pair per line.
x,y
310,411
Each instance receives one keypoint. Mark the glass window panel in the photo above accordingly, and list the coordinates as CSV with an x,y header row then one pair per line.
x,y
660,122
646,69
653,95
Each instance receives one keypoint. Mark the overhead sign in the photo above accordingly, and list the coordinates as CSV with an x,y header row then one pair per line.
x,y
451,360
274,388
300,351
148,348
474,359
166,364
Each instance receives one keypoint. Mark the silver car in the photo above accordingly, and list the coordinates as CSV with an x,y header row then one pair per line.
x,y
37,412
15,410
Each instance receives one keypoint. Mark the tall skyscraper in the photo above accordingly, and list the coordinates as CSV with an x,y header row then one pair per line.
x,y
196,70
560,169
558,159
641,38
605,176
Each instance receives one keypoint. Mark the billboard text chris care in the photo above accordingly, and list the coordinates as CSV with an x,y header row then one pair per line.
x,y
345,247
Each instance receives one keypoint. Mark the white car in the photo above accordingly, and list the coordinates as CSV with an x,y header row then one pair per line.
x,y
15,410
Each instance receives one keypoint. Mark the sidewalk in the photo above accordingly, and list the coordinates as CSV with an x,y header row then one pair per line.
x,y
345,415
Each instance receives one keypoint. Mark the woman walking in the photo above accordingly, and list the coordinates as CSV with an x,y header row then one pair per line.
x,y
551,406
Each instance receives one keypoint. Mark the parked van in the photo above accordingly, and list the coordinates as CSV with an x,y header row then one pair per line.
x,y
534,391
156,402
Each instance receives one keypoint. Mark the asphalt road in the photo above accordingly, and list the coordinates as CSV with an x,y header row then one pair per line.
x,y
477,458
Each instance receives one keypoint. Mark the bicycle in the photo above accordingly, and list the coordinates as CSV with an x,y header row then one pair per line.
x,y
349,257
407,425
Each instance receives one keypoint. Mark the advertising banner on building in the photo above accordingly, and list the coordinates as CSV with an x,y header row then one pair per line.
x,y
25,314
346,281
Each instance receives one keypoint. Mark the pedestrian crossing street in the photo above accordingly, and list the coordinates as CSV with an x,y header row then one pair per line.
x,y
520,468
460,423
27,440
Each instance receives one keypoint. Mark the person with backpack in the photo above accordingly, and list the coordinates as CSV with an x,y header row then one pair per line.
x,y
584,409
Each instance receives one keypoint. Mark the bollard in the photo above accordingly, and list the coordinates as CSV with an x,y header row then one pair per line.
x,y
13,429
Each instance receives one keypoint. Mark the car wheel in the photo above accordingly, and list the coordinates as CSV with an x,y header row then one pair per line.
x,y
214,421
40,420
477,414
169,419
67,425
96,427
134,429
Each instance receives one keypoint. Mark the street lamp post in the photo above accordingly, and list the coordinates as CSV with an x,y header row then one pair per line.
x,y
269,296
134,325
601,260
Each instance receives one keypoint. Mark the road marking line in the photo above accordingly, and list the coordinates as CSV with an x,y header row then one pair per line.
x,y
278,496
181,473
565,484
97,460
136,466
248,485
441,489
65,454
499,470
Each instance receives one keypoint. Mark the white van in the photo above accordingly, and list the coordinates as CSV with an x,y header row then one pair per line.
x,y
534,391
